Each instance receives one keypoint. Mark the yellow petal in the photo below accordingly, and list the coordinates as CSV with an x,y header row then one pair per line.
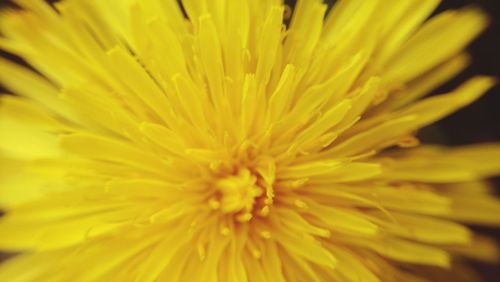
x,y
404,251
351,266
434,164
109,149
342,219
452,31
305,247
26,83
437,107
426,229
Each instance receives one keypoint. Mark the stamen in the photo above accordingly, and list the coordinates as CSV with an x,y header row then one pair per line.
x,y
408,141
244,217
264,211
214,203
301,204
287,12
225,231
266,234
201,251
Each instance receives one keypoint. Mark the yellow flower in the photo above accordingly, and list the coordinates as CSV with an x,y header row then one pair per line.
x,y
222,145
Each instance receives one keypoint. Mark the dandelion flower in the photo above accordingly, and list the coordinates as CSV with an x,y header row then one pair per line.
x,y
210,141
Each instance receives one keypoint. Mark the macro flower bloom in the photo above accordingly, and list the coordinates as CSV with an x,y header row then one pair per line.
x,y
210,141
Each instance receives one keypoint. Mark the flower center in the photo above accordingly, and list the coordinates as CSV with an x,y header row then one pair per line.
x,y
244,194
239,191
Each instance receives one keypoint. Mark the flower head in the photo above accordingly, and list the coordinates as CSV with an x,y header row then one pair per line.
x,y
146,144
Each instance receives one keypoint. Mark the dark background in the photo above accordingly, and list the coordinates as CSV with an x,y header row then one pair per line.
x,y
478,122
